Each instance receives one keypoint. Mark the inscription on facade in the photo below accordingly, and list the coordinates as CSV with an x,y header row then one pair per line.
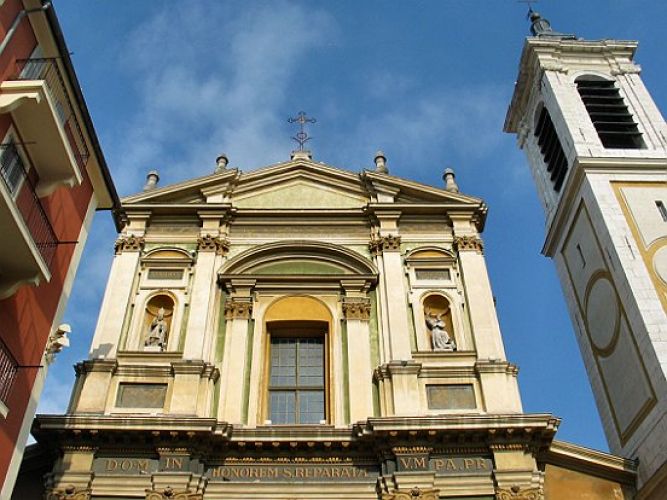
x,y
305,472
125,466
457,465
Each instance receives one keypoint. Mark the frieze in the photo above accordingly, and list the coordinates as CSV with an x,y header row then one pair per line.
x,y
208,243
238,309
129,243
69,493
389,243
415,493
305,472
518,493
171,494
469,243
356,308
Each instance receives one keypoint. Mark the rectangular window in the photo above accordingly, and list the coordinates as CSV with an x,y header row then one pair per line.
x,y
296,381
661,208
11,166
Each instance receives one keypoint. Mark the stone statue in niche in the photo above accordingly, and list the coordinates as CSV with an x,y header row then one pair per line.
x,y
158,332
440,339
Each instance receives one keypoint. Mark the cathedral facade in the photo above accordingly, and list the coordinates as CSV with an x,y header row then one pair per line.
x,y
304,331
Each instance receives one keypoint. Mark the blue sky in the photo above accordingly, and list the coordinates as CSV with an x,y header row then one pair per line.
x,y
172,84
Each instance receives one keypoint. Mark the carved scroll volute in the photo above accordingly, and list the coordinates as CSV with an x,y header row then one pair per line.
x,y
415,493
518,493
69,493
169,494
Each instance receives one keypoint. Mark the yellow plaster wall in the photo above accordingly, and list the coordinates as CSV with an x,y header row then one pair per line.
x,y
565,484
297,308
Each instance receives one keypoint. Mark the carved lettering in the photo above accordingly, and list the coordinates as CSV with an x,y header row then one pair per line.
x,y
413,463
287,472
173,463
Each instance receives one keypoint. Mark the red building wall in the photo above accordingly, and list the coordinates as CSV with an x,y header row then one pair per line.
x,y
26,318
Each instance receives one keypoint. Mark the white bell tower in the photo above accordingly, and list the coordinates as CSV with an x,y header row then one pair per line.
x,y
597,148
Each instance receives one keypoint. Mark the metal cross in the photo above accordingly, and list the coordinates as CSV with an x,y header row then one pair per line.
x,y
530,4
301,136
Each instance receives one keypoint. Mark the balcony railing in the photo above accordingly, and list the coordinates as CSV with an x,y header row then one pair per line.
x,y
20,184
46,69
8,369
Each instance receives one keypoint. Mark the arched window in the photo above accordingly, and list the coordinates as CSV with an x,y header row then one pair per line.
x,y
615,125
158,323
438,320
298,330
551,148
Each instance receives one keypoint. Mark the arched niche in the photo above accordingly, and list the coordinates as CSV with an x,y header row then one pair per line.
x,y
158,324
438,322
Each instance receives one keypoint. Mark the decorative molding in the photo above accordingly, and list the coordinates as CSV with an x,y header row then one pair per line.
x,y
389,243
411,450
208,243
469,243
70,492
415,493
356,308
170,494
129,243
238,309
518,493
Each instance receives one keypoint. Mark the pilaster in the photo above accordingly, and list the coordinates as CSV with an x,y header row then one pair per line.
x,y
356,309
212,247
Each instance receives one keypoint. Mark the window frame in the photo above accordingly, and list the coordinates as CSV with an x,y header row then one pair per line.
x,y
298,329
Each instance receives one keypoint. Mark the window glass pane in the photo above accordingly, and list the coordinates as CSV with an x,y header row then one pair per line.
x,y
311,362
311,407
283,362
283,407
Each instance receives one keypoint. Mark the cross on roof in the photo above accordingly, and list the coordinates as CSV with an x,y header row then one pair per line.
x,y
301,136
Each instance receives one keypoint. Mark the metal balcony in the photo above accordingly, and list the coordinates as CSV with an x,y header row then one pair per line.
x,y
28,239
39,101
8,369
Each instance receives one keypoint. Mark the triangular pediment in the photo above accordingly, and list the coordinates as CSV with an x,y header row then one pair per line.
x,y
299,184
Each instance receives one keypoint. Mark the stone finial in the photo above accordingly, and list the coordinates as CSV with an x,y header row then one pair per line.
x,y
381,163
450,181
152,178
221,163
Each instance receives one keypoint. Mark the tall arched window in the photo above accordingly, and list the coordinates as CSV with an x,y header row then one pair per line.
x,y
298,330
551,148
615,125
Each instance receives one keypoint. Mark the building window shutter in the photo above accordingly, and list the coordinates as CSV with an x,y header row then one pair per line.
x,y
615,125
551,148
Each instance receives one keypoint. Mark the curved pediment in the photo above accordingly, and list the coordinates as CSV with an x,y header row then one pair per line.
x,y
299,258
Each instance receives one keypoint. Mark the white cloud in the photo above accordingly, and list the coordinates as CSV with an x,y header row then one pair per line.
x,y
215,76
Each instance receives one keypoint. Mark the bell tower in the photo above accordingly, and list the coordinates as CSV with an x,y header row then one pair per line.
x,y
597,149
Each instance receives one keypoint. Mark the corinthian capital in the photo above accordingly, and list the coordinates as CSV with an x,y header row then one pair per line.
x,y
208,243
171,494
518,493
129,243
356,308
389,243
415,493
236,308
469,243
69,493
